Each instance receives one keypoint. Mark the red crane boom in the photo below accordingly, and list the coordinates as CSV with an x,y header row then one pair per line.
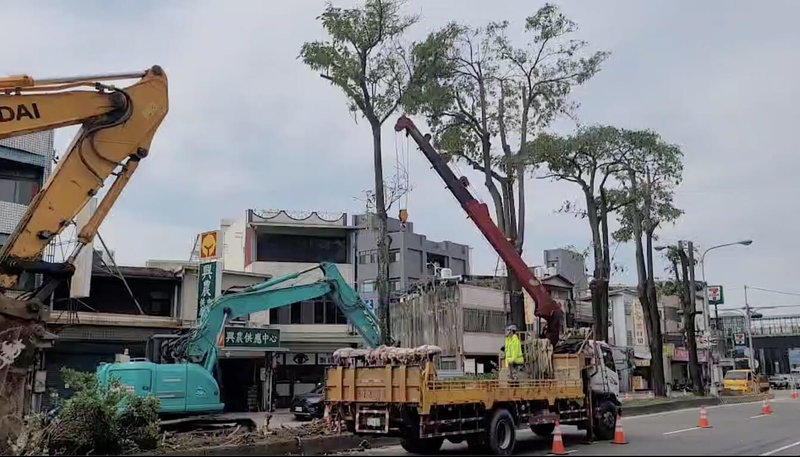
x,y
546,308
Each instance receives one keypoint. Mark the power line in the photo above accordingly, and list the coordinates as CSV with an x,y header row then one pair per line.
x,y
796,294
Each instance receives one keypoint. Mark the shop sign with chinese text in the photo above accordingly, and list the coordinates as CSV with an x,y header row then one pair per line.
x,y
209,283
244,337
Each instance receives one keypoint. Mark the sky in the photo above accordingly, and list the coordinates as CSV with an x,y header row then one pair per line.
x,y
250,126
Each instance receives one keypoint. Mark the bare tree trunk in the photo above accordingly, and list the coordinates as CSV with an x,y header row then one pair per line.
x,y
383,235
689,310
600,285
654,327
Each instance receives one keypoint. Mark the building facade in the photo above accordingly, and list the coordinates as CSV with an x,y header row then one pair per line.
x,y
25,164
465,317
413,257
282,242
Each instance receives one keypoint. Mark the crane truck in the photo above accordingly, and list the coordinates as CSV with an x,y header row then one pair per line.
x,y
577,384
186,385
117,128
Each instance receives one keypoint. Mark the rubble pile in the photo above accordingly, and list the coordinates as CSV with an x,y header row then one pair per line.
x,y
385,355
231,435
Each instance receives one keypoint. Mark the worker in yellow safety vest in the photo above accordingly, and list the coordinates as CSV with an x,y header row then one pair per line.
x,y
512,348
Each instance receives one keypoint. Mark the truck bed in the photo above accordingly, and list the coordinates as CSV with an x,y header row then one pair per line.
x,y
417,386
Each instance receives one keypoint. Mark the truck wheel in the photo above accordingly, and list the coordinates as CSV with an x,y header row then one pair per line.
x,y
543,430
502,433
606,421
427,446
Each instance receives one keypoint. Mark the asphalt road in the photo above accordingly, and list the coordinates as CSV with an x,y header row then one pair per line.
x,y
735,430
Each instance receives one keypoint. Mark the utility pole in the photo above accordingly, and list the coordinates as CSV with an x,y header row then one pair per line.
x,y
747,323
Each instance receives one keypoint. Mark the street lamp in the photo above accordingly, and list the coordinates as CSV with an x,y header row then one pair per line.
x,y
715,373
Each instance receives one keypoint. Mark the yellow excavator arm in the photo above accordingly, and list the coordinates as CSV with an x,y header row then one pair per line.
x,y
118,125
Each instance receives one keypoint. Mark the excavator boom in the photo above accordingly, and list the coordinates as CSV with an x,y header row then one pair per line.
x,y
546,307
117,128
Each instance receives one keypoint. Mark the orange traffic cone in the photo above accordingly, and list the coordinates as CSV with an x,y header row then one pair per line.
x,y
627,397
558,443
619,434
794,392
765,408
703,418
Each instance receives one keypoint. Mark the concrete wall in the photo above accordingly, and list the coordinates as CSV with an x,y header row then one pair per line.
x,y
233,237
568,264
188,298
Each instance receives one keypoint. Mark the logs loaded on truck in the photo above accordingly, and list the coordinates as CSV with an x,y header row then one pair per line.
x,y
396,392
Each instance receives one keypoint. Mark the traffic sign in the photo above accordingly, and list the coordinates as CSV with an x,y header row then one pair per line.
x,y
739,338
715,295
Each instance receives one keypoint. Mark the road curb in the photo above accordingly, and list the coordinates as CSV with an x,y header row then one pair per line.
x,y
300,446
689,404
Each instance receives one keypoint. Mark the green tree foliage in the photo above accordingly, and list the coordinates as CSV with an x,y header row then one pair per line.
x,y
485,97
364,58
653,169
591,158
96,419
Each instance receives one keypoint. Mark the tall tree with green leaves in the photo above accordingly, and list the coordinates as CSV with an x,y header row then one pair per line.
x,y
364,58
652,171
590,158
485,98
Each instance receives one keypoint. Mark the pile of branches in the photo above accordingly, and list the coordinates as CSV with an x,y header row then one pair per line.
x,y
97,419
386,355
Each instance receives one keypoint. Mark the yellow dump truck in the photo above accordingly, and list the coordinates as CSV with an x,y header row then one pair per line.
x,y
409,401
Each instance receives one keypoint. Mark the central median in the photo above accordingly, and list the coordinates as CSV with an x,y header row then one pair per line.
x,y
643,406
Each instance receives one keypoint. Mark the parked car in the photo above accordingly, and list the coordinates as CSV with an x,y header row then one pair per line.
x,y
780,381
309,405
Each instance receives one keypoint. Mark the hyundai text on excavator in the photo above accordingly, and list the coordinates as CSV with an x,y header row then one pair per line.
x,y
117,127
570,380
180,372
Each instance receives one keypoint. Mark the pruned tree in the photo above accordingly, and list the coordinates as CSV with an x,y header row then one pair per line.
x,y
679,266
652,170
364,58
591,158
482,91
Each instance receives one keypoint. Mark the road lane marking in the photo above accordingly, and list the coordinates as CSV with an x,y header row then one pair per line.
x,y
775,451
683,430
760,415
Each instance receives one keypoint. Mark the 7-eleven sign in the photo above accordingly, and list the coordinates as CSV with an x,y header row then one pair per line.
x,y
715,295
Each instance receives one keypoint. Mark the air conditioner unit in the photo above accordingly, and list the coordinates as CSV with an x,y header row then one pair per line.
x,y
445,273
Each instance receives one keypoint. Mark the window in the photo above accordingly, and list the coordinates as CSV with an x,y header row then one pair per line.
x,y
278,247
608,359
394,285
630,338
297,313
19,182
394,256
333,315
484,321
368,286
365,257
273,316
319,312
